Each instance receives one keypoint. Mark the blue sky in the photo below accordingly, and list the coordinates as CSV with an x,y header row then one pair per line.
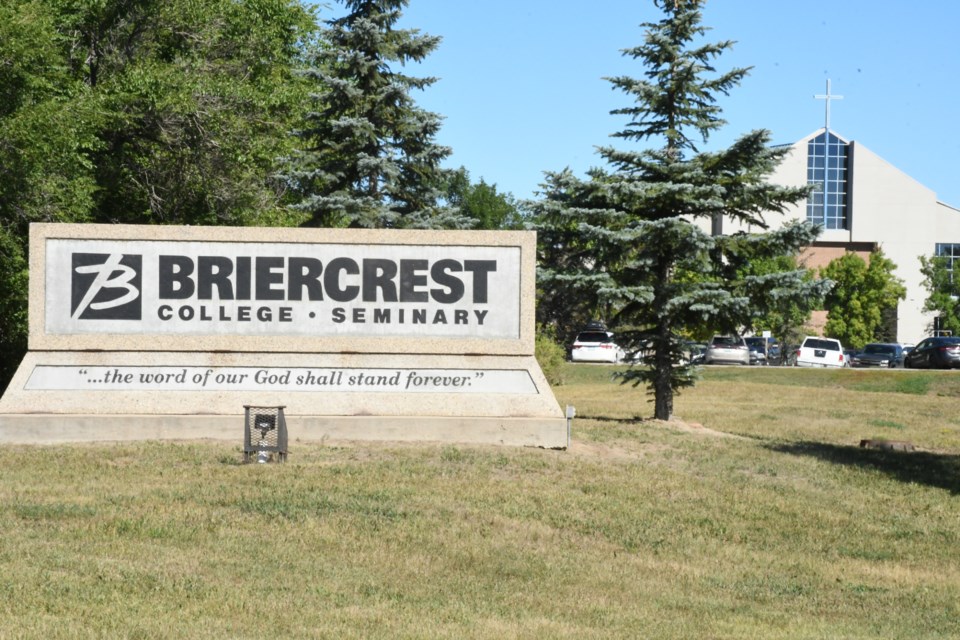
x,y
520,82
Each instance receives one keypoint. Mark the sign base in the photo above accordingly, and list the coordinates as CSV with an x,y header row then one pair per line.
x,y
82,396
46,429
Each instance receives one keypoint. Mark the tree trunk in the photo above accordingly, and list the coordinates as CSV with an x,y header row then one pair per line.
x,y
663,366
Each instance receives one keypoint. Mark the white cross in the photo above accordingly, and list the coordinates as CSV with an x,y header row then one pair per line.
x,y
828,98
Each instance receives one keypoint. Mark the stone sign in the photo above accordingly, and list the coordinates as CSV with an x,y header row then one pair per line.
x,y
158,331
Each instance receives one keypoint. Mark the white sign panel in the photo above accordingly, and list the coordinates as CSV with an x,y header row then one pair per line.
x,y
125,378
208,288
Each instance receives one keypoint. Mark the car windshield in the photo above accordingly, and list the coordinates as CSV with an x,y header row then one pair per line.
x,y
593,336
880,349
726,341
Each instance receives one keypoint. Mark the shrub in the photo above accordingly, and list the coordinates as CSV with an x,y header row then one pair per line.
x,y
550,354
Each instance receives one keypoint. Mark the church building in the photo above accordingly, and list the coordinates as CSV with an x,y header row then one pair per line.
x,y
863,202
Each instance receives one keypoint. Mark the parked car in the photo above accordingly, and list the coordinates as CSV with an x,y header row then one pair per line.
x,y
595,345
789,358
694,353
879,354
820,352
729,349
759,349
776,354
934,353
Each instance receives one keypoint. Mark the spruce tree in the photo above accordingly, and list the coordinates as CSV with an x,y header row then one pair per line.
x,y
630,239
369,156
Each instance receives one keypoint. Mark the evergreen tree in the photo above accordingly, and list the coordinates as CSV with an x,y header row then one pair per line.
x,y
369,158
570,272
944,293
783,318
629,238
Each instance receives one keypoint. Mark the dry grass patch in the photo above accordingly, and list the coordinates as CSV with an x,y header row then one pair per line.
x,y
641,529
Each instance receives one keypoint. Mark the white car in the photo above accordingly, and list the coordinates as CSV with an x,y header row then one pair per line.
x,y
820,352
595,346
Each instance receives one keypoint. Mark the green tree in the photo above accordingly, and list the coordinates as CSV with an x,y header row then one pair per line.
x,y
864,292
13,305
48,121
627,237
569,283
167,111
481,202
943,292
783,316
198,101
157,111
368,156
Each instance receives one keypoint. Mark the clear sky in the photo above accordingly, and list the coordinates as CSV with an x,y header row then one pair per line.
x,y
520,82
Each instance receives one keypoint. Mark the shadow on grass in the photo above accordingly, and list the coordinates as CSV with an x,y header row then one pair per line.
x,y
920,467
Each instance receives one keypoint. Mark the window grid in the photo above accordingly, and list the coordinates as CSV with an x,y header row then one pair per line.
x,y
952,254
827,171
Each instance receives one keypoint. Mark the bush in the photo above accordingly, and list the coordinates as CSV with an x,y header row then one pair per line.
x,y
550,354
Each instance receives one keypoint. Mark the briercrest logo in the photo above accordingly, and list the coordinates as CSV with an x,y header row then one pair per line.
x,y
106,286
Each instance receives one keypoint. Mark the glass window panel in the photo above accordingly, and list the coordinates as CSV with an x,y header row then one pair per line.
x,y
826,171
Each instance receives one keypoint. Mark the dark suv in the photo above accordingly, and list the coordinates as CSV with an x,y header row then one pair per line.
x,y
878,354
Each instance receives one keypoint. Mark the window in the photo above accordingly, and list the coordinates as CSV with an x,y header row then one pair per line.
x,y
594,336
821,343
827,164
949,251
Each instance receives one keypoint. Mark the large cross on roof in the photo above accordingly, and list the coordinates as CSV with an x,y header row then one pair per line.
x,y
828,97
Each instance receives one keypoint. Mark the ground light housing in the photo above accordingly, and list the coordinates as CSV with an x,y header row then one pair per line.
x,y
264,433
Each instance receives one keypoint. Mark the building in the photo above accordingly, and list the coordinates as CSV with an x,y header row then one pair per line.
x,y
863,202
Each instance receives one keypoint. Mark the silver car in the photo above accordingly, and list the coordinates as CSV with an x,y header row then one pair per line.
x,y
728,349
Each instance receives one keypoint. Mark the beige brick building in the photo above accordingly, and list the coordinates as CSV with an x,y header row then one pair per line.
x,y
862,201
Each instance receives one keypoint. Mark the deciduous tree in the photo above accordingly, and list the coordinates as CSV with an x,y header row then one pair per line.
x,y
863,292
481,202
944,293
148,112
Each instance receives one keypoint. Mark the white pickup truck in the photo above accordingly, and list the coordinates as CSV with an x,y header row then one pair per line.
x,y
820,352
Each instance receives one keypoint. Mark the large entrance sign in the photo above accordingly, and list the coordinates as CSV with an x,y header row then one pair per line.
x,y
141,332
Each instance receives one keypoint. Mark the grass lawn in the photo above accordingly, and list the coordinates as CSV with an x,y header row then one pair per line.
x,y
754,515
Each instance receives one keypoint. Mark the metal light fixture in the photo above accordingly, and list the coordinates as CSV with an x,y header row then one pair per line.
x,y
264,434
